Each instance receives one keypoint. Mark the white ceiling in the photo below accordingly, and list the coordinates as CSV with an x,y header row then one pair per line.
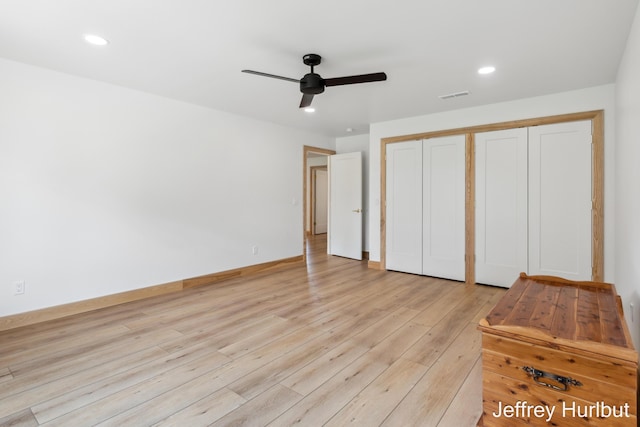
x,y
193,50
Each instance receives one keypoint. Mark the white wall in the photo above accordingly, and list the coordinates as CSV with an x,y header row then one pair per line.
x,y
627,178
351,144
597,98
106,189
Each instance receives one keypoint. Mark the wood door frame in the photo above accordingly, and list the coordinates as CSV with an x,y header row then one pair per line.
x,y
312,196
597,176
306,149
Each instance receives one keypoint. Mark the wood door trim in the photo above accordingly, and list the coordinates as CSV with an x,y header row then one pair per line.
x,y
572,117
597,225
470,209
597,210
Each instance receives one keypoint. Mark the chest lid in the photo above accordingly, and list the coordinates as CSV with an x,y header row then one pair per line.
x,y
561,313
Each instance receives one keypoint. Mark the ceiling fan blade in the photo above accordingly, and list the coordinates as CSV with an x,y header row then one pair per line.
x,y
362,78
273,76
306,100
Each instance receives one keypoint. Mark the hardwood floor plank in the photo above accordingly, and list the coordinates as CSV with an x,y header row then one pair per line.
x,y
466,407
380,330
354,321
487,306
430,347
35,335
315,373
177,400
22,395
275,371
181,397
20,419
374,403
431,290
59,348
223,334
83,360
327,315
441,305
233,296
395,345
80,412
262,409
128,380
5,375
263,336
250,364
426,403
327,400
205,411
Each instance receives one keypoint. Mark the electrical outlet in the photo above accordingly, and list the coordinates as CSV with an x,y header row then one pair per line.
x,y
19,288
254,250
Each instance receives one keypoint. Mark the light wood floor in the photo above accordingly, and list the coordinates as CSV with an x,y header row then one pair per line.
x,y
333,343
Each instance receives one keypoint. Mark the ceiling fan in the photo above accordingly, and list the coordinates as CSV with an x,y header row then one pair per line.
x,y
312,84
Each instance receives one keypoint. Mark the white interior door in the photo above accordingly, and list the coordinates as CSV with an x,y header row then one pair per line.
x,y
501,206
320,203
443,207
560,200
345,205
404,207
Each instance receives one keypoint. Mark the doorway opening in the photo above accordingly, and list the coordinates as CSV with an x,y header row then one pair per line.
x,y
314,159
319,199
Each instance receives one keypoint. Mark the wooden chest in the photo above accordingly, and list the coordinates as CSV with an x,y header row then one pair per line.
x,y
558,352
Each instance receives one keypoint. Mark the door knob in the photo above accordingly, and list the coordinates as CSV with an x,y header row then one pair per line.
x,y
356,210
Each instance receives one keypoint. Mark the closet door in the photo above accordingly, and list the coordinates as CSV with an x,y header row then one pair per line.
x,y
443,205
404,207
501,206
560,200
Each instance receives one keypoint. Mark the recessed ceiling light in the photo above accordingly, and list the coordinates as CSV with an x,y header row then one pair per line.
x,y
349,130
486,70
96,40
310,109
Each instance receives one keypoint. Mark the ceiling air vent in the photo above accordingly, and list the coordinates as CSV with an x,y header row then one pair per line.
x,y
454,95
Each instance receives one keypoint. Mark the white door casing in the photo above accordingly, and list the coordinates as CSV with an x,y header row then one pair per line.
x,y
344,236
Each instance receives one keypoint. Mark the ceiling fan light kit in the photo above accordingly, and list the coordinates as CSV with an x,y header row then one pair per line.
x,y
312,84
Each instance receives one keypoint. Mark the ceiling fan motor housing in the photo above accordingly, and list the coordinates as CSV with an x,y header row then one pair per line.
x,y
312,84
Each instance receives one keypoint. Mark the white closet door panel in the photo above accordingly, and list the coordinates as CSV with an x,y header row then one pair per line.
x,y
443,207
501,206
404,207
560,200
